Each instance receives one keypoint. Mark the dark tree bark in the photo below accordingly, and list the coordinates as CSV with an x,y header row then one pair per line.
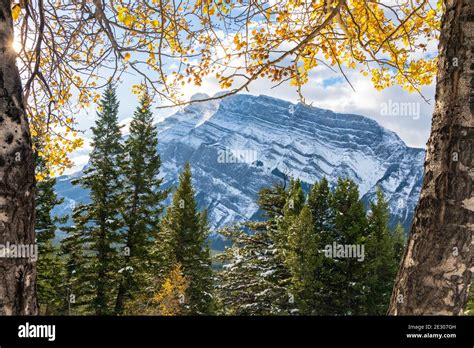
x,y
17,275
436,271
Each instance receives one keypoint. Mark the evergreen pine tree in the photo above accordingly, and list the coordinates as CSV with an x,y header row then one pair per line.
x,y
291,210
302,260
319,199
271,200
254,279
381,262
78,280
295,201
186,232
49,264
101,221
345,287
142,207
319,202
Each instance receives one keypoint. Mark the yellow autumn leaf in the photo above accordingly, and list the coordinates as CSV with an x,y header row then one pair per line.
x,y
16,10
122,14
126,56
129,20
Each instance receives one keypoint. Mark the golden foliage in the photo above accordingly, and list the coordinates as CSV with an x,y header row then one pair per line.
x,y
172,296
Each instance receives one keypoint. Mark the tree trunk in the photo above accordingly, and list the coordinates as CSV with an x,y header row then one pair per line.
x,y
436,271
17,214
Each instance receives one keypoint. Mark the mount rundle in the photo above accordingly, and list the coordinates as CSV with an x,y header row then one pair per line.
x,y
241,143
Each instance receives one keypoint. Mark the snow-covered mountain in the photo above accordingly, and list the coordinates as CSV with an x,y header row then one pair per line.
x,y
242,143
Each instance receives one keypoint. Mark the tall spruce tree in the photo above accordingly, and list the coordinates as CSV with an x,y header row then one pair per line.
x,y
49,264
254,279
381,261
319,202
100,220
142,204
295,229
78,282
186,232
271,200
295,202
291,210
302,259
345,287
